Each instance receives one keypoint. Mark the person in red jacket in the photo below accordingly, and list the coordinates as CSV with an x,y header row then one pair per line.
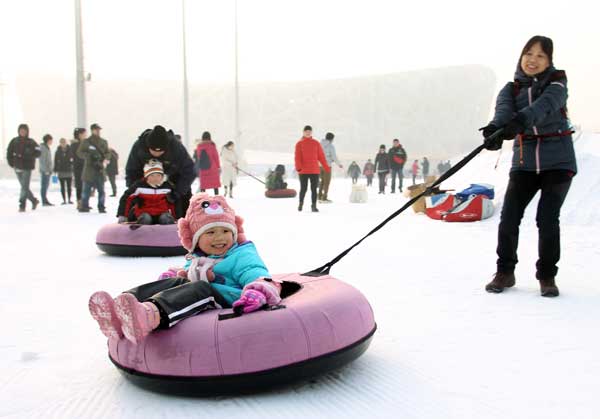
x,y
208,163
150,200
307,156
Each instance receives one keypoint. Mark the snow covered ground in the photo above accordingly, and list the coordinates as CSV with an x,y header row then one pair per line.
x,y
444,348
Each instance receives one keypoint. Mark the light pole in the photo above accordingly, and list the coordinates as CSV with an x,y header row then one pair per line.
x,y
81,102
2,121
186,110
237,84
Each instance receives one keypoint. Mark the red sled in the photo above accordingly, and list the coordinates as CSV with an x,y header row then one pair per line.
x,y
280,193
476,208
438,205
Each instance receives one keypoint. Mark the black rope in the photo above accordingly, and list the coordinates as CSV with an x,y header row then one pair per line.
x,y
324,270
251,175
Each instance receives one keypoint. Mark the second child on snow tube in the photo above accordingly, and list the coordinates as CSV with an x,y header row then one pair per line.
x,y
275,178
148,201
223,269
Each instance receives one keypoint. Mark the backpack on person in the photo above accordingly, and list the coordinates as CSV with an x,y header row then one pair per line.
x,y
203,160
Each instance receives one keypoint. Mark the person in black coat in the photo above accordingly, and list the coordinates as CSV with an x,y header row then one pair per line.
x,y
397,156
162,145
425,168
112,170
20,155
532,111
354,172
79,134
382,167
63,167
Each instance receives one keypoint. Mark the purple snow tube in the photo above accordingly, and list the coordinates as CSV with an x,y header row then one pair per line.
x,y
140,240
321,324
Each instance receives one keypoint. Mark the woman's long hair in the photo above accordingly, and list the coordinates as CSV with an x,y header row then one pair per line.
x,y
545,42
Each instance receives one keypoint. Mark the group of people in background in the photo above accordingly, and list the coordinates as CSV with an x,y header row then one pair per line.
x,y
88,161
84,162
392,162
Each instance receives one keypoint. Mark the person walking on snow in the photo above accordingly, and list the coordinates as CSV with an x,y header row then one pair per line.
x,y
112,170
20,155
307,156
63,166
397,156
94,151
209,164
415,171
230,167
425,168
354,172
325,177
382,167
533,110
369,171
79,134
46,169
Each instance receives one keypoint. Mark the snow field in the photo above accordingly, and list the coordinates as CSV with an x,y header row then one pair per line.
x,y
444,347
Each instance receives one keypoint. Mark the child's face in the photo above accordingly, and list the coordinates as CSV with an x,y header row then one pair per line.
x,y
155,179
216,241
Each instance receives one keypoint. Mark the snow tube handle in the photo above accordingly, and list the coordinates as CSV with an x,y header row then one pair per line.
x,y
238,311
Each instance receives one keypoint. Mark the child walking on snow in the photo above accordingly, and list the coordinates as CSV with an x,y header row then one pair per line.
x,y
148,201
222,270
415,171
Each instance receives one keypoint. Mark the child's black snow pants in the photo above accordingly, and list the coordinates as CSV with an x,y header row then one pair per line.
x,y
178,298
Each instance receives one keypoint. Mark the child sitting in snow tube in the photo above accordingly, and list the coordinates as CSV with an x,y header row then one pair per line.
x,y
150,200
276,187
222,270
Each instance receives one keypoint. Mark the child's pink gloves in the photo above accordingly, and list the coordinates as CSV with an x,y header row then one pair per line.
x,y
173,273
251,300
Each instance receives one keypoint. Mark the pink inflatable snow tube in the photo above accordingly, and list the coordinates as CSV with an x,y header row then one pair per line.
x,y
321,324
140,240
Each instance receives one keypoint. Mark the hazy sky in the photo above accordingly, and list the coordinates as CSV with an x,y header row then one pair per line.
x,y
296,40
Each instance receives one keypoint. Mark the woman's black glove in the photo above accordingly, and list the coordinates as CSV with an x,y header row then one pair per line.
x,y
489,143
514,127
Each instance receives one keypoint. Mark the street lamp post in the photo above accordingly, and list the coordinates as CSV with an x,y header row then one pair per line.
x,y
237,85
81,102
2,121
186,111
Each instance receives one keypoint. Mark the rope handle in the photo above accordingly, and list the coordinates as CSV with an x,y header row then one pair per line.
x,y
325,269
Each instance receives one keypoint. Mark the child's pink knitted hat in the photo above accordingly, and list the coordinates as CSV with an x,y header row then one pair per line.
x,y
204,213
